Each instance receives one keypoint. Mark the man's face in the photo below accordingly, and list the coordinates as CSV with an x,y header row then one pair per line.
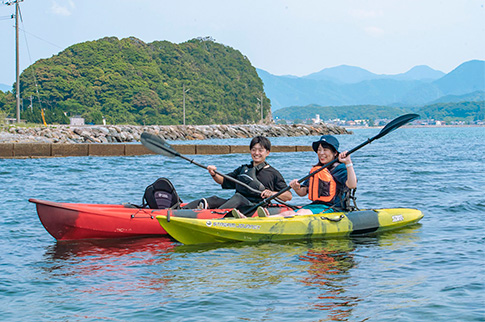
x,y
258,154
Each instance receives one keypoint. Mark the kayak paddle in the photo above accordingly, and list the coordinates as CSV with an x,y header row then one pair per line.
x,y
391,126
160,146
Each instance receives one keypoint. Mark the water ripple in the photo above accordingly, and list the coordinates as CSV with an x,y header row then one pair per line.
x,y
432,271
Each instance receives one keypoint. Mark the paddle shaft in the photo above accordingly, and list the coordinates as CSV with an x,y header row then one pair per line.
x,y
158,145
230,178
221,174
327,165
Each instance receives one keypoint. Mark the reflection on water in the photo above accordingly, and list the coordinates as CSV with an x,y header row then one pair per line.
x,y
106,248
110,265
137,268
328,268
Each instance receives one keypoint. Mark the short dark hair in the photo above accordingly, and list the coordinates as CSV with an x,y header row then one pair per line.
x,y
264,142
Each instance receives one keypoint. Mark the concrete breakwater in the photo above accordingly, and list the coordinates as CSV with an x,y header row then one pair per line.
x,y
131,133
45,150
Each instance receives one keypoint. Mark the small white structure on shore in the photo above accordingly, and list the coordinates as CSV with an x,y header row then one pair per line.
x,y
76,120
11,120
317,119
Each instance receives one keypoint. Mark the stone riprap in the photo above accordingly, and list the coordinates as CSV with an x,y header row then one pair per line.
x,y
131,133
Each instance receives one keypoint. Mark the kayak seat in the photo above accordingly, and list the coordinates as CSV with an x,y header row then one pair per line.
x,y
161,195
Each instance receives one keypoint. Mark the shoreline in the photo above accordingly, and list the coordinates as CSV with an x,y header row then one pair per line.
x,y
348,127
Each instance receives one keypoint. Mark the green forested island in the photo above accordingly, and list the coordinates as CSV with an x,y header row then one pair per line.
x,y
129,81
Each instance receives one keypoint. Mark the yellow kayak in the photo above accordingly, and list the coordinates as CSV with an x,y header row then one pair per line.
x,y
255,229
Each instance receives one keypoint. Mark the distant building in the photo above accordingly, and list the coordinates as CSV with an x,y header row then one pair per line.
x,y
317,119
10,120
76,120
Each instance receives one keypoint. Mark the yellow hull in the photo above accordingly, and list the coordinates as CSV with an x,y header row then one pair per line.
x,y
327,225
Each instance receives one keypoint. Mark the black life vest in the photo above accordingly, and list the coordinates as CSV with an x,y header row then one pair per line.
x,y
248,176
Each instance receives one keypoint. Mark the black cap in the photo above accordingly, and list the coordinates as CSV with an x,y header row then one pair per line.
x,y
326,140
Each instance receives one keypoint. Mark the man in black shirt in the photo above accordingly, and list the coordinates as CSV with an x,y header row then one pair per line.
x,y
258,175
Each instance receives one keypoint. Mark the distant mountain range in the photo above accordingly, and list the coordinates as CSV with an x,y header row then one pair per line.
x,y
348,85
349,74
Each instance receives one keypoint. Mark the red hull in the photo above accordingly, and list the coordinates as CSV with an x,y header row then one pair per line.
x,y
71,221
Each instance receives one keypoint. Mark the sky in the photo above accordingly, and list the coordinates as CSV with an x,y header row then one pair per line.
x,y
282,37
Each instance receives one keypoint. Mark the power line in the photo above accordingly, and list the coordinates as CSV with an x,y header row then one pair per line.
x,y
30,57
31,34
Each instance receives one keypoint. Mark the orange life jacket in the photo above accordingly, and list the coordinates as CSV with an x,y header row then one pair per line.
x,y
322,186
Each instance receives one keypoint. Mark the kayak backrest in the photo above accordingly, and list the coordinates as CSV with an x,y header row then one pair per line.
x,y
161,195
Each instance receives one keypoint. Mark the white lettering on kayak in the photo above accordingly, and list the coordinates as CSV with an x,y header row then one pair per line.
x,y
397,218
248,226
231,225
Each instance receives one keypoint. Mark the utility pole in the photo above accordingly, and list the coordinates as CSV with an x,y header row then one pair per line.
x,y
17,68
261,103
185,91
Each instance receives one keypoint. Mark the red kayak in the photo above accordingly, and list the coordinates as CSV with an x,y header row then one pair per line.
x,y
71,221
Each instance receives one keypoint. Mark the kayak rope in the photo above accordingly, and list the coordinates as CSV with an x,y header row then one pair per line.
x,y
333,219
143,211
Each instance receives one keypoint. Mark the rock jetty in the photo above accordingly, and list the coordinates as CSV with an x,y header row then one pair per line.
x,y
131,133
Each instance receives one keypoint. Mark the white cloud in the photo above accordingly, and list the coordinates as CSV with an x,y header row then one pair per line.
x,y
374,31
64,9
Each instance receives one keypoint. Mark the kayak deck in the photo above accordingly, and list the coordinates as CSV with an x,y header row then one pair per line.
x,y
325,225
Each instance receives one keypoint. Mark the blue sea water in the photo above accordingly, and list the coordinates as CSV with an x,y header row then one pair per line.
x,y
432,271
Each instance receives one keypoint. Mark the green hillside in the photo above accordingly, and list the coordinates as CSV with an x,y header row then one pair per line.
x,y
353,112
129,81
461,111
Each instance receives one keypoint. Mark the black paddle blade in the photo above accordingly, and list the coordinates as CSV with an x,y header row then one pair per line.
x,y
396,123
157,145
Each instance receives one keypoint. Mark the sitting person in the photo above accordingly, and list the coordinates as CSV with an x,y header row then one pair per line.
x,y
328,188
258,175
